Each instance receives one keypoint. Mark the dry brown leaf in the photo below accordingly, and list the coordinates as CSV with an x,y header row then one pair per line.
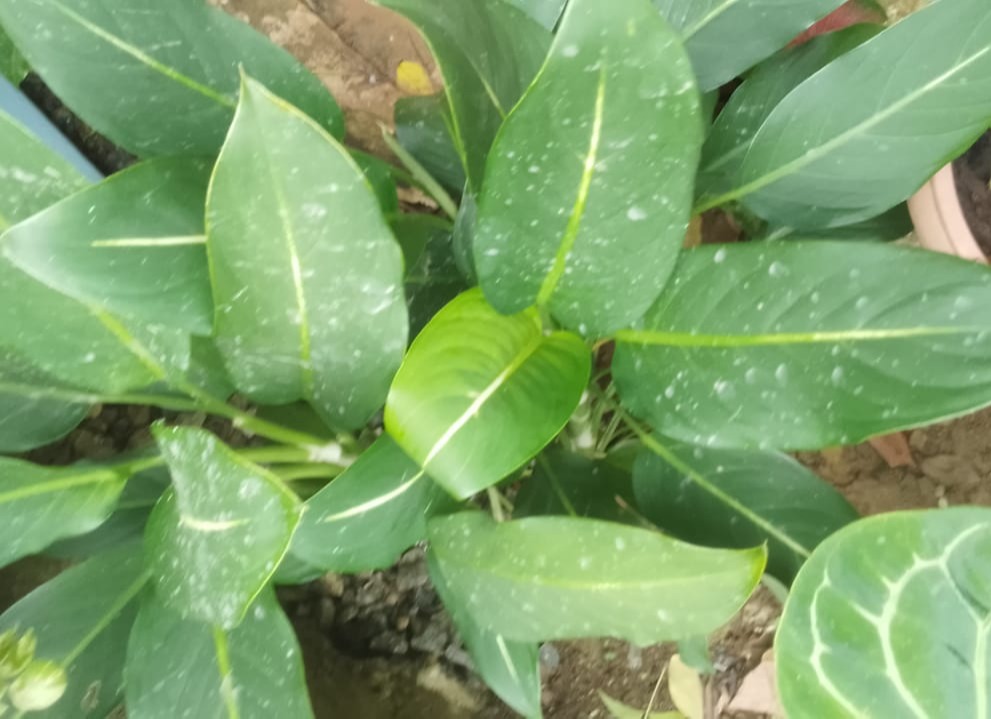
x,y
893,449
757,693
685,687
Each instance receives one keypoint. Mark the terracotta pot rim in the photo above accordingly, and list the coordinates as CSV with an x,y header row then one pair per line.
x,y
939,219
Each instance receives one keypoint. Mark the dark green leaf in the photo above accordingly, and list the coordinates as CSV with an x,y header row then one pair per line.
x,y
214,542
889,226
738,498
13,66
378,172
726,37
562,578
366,518
307,277
848,144
807,344
481,393
132,245
593,238
157,78
82,619
891,618
546,12
27,422
488,52
571,484
423,127
510,669
182,668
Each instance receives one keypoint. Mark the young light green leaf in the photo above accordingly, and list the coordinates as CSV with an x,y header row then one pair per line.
x,y
869,603
423,127
562,578
179,667
510,669
546,12
366,518
27,422
81,620
156,78
41,504
738,498
132,245
593,239
861,142
307,277
488,52
571,484
809,345
726,37
481,393
214,542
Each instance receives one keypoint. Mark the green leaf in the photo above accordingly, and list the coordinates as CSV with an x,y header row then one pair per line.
x,y
488,52
378,172
307,277
423,127
132,245
178,667
432,275
546,12
366,518
510,669
81,620
807,344
593,238
891,617
156,78
572,484
860,142
214,542
750,105
27,422
889,226
738,498
481,393
13,66
726,37
562,578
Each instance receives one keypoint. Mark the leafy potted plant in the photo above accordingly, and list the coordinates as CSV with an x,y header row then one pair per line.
x,y
250,252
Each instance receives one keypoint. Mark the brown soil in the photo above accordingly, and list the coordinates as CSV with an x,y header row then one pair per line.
x,y
972,173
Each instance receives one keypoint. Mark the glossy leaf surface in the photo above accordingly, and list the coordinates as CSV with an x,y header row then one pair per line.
x,y
366,518
738,498
588,188
511,669
156,78
82,619
214,542
561,578
132,245
178,667
858,159
488,52
307,277
871,602
29,421
546,12
808,344
726,37
480,393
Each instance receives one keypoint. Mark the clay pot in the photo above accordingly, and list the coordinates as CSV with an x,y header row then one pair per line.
x,y
939,218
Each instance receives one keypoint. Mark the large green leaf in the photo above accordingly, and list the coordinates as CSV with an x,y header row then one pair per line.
x,y
215,541
307,277
808,344
563,578
891,618
750,105
178,667
738,498
726,37
488,52
510,669
132,245
13,66
481,393
156,77
81,620
423,127
546,12
29,421
41,504
849,143
593,238
366,518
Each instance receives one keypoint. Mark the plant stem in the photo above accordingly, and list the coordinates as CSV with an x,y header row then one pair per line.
x,y
495,504
308,470
420,175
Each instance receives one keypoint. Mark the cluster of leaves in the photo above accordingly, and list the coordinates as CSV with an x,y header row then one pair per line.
x,y
632,395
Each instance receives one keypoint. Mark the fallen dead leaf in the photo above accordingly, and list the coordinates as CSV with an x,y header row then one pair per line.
x,y
757,693
685,688
893,449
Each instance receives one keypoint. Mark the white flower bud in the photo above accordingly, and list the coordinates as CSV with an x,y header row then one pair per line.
x,y
38,687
